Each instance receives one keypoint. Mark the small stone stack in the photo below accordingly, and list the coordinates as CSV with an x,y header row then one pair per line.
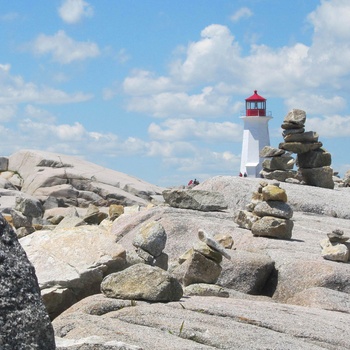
x,y
149,243
268,214
201,264
277,165
334,247
313,160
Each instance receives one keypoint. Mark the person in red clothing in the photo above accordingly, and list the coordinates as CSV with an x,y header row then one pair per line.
x,y
190,183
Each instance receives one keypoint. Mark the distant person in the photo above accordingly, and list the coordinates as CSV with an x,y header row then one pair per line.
x,y
196,182
240,175
245,175
190,183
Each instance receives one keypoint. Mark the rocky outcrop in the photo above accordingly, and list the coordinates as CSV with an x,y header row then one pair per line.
x,y
24,322
334,247
71,262
204,323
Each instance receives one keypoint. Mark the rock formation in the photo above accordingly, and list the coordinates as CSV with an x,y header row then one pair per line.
x,y
334,247
314,162
201,264
24,321
268,214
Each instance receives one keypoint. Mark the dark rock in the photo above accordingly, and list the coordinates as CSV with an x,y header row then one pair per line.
x,y
314,159
24,322
300,147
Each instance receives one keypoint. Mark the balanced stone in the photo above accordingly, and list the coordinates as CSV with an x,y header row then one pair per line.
x,y
300,147
292,131
274,193
270,226
269,151
320,177
309,136
274,208
296,116
314,159
278,163
337,236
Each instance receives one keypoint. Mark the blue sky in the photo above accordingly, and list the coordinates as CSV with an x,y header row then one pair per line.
x,y
155,89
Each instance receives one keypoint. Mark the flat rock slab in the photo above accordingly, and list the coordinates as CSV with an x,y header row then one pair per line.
x,y
211,323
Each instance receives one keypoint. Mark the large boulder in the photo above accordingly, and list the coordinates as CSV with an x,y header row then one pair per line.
x,y
195,199
24,321
71,263
142,282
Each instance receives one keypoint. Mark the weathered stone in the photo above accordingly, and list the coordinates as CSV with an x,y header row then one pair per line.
x,y
278,163
208,290
292,131
4,163
115,210
195,199
269,226
225,240
18,219
290,126
74,260
296,116
95,218
269,151
29,206
309,136
320,177
197,269
24,322
280,175
212,243
335,252
337,236
274,208
314,159
142,282
247,272
245,219
151,238
300,147
207,251
274,193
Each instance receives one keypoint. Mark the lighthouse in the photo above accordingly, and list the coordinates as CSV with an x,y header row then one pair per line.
x,y
255,134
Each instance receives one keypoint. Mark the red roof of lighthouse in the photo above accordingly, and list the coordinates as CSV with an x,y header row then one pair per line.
x,y
255,97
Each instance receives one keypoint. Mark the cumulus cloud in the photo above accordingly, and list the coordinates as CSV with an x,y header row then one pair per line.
x,y
243,12
13,90
72,11
330,126
190,129
314,76
63,48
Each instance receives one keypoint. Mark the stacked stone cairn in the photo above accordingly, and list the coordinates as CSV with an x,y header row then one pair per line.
x,y
149,243
313,161
268,214
334,247
277,165
201,264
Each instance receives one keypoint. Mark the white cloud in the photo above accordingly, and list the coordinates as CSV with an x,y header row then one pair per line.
x,y
63,48
330,126
243,12
190,129
39,114
72,11
7,112
13,89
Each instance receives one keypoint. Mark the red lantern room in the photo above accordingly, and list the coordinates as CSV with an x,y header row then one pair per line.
x,y
255,106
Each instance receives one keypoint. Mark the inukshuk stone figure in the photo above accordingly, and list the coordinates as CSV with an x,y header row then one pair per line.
x,y
268,214
313,160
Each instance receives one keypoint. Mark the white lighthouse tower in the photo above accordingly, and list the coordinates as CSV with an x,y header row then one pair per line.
x,y
255,135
